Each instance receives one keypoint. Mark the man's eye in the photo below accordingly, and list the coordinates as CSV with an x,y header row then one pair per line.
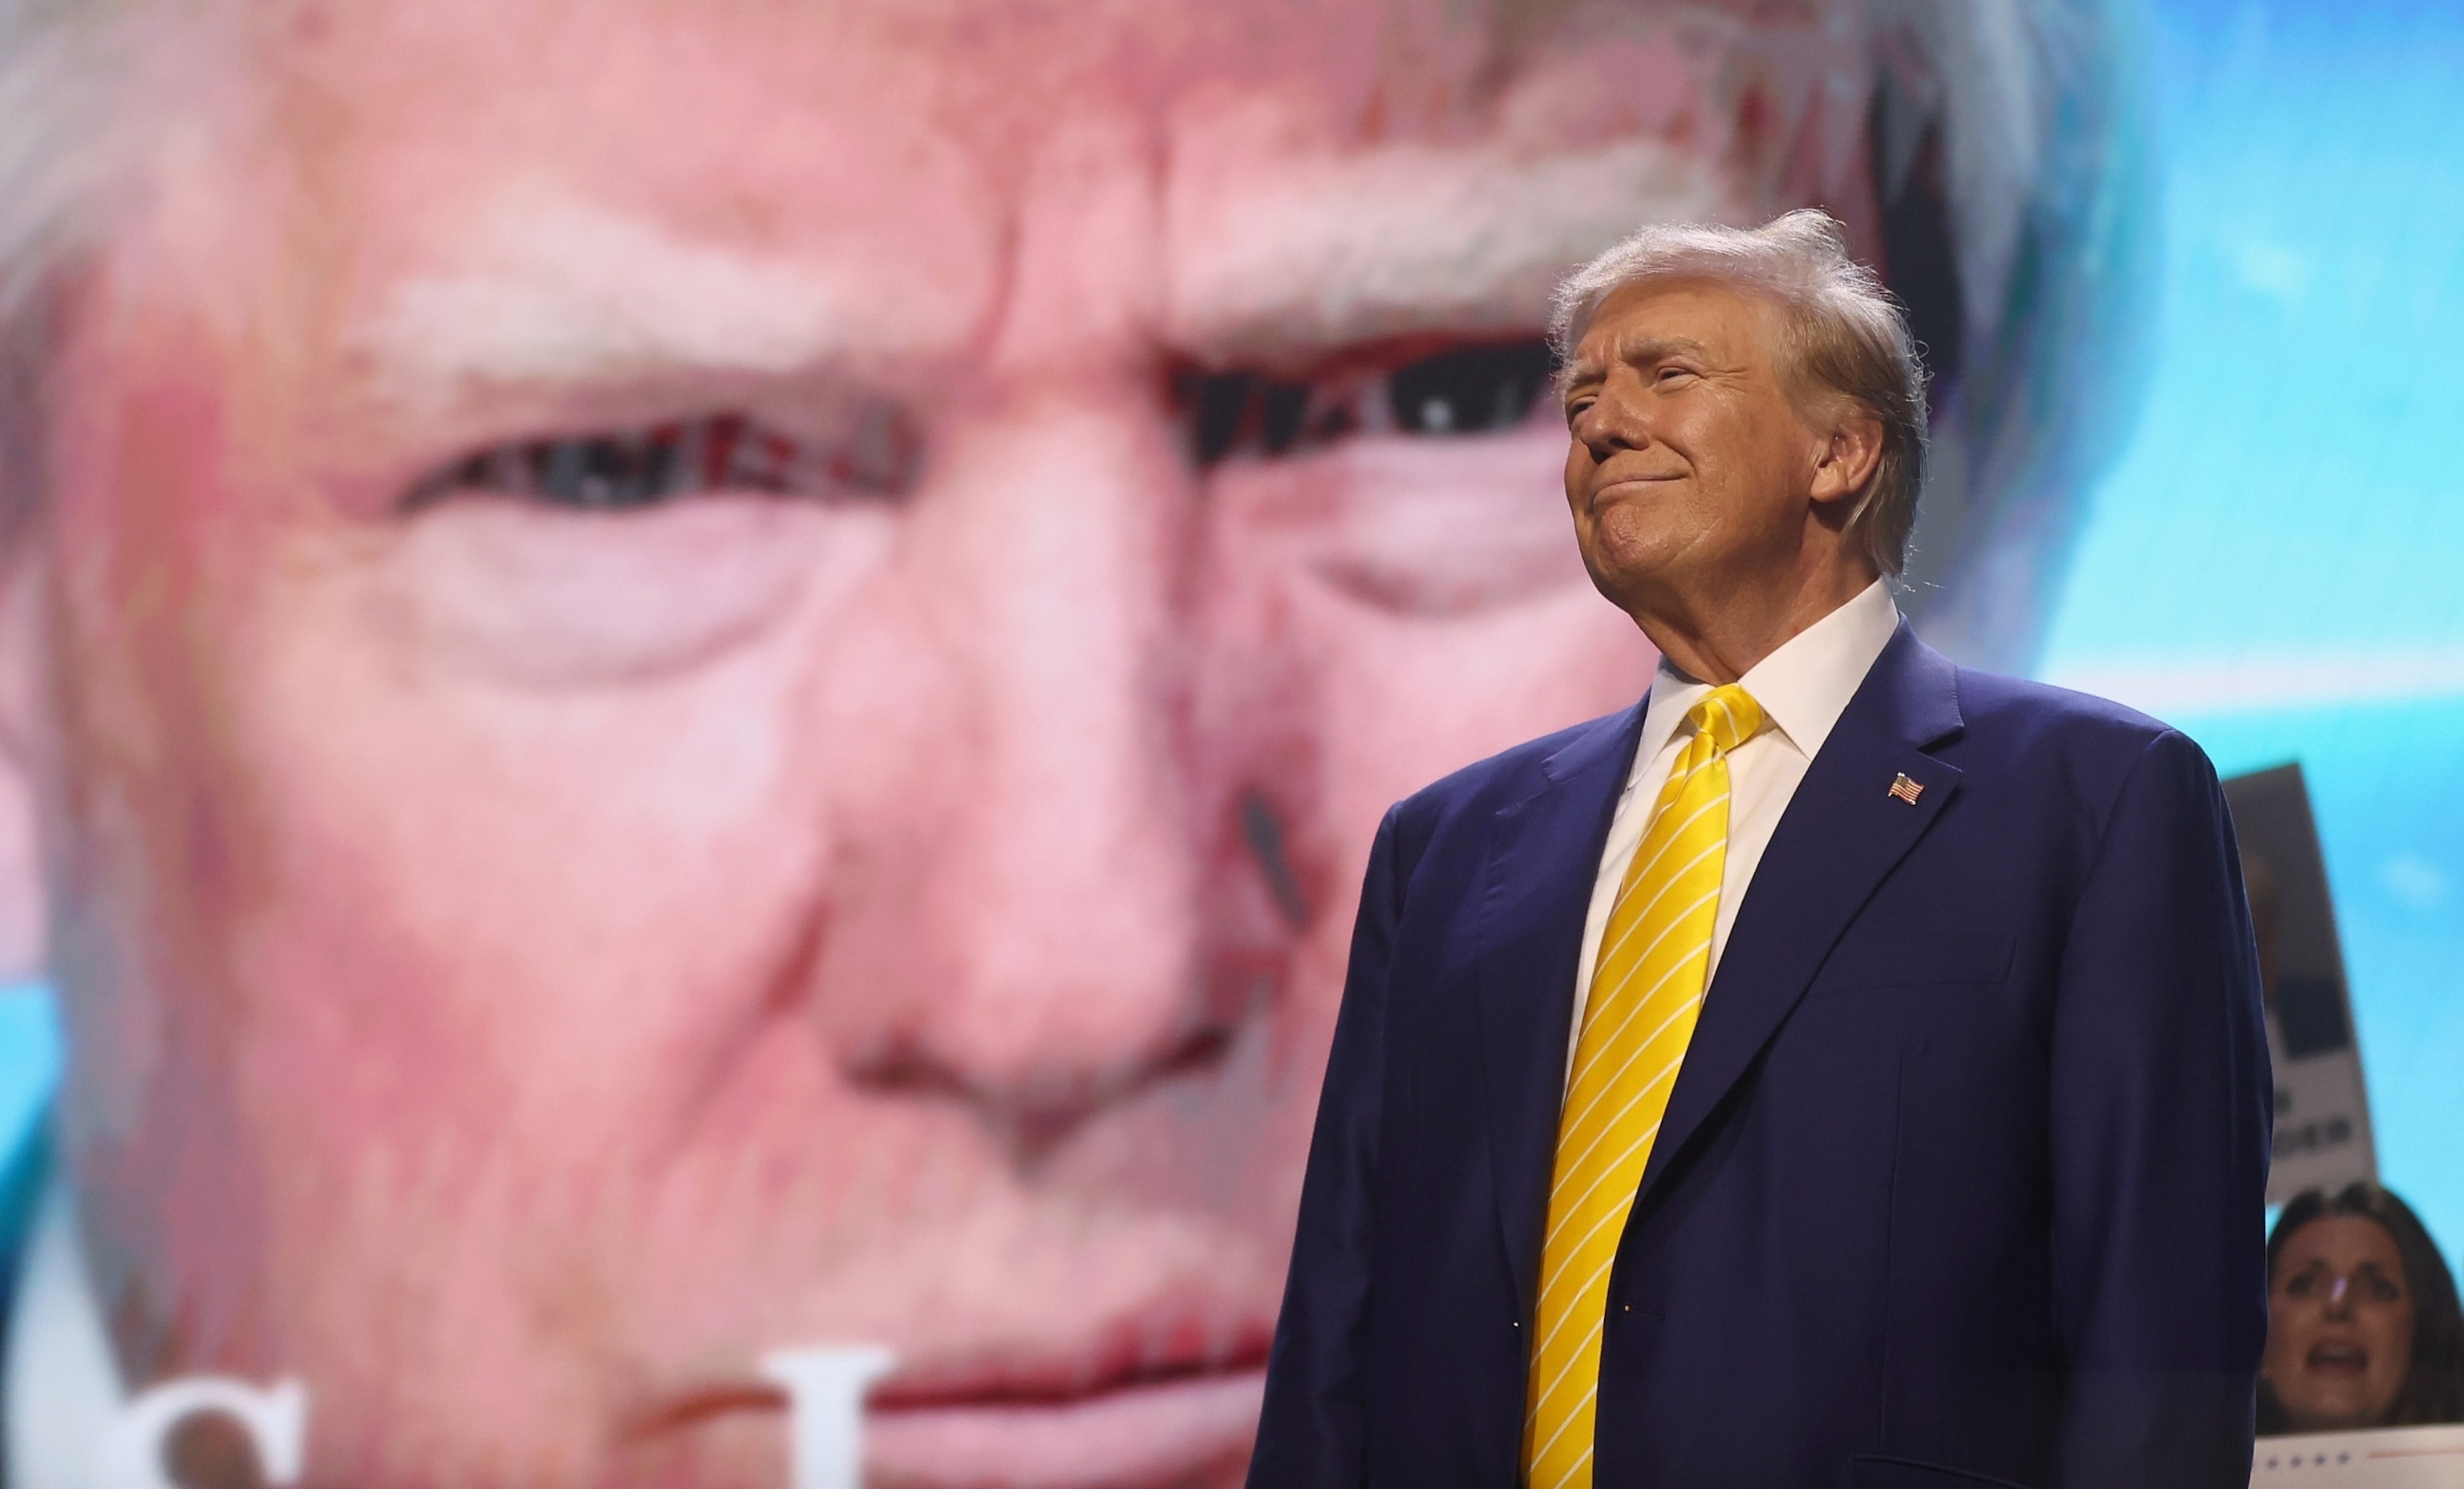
x,y
1464,390
1471,390
874,458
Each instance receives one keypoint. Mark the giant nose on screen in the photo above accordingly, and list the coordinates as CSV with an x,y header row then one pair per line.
x,y
1057,902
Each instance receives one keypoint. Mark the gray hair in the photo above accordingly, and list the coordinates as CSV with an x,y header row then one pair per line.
x,y
68,70
67,118
1843,336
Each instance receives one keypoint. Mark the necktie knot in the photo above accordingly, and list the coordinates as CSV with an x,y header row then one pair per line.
x,y
1730,716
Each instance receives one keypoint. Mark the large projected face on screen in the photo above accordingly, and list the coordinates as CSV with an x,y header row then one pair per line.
x,y
708,677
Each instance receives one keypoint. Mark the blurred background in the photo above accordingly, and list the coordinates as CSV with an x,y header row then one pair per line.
x,y
2275,562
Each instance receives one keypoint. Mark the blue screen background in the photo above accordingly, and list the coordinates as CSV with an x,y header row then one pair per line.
x,y
2276,561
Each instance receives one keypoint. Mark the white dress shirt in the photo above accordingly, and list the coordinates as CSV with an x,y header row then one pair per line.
x,y
1803,688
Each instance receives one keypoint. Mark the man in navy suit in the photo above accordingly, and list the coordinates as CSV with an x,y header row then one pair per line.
x,y
1843,1068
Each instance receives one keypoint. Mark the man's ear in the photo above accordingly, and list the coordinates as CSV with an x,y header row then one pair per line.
x,y
25,909
1853,447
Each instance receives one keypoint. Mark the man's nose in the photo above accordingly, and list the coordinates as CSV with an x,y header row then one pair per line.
x,y
1060,895
1615,421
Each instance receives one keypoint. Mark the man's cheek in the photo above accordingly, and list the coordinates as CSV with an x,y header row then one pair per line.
x,y
1369,605
1388,613
1409,700
428,968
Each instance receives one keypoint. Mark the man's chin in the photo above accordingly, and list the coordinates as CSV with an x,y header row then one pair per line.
x,y
1629,575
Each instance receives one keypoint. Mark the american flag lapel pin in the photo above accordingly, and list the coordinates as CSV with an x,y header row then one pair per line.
x,y
1905,789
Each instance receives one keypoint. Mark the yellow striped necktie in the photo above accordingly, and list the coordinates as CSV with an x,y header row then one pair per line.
x,y
1646,987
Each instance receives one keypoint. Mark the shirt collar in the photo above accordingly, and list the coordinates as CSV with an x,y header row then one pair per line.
x,y
1804,685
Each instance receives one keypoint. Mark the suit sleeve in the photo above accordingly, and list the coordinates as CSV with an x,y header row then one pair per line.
x,y
2160,1124
1310,1433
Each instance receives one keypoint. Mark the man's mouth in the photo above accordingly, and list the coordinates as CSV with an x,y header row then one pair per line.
x,y
1122,1363
1145,1428
2337,1360
1629,486
1143,1406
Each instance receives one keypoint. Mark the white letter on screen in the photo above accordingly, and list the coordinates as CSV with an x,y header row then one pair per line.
x,y
825,1392
276,1423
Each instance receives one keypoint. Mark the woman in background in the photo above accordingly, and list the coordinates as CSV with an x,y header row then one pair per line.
x,y
2363,1326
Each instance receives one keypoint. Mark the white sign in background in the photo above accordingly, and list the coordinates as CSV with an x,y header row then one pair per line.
x,y
2323,1111
2390,1457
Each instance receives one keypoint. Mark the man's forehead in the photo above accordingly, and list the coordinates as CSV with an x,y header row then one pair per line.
x,y
1696,316
1322,169
1407,61
991,78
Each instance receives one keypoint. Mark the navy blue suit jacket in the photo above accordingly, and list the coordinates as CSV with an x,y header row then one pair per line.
x,y
1961,1181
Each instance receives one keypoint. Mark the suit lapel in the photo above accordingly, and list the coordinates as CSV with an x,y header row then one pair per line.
x,y
1841,835
1544,854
